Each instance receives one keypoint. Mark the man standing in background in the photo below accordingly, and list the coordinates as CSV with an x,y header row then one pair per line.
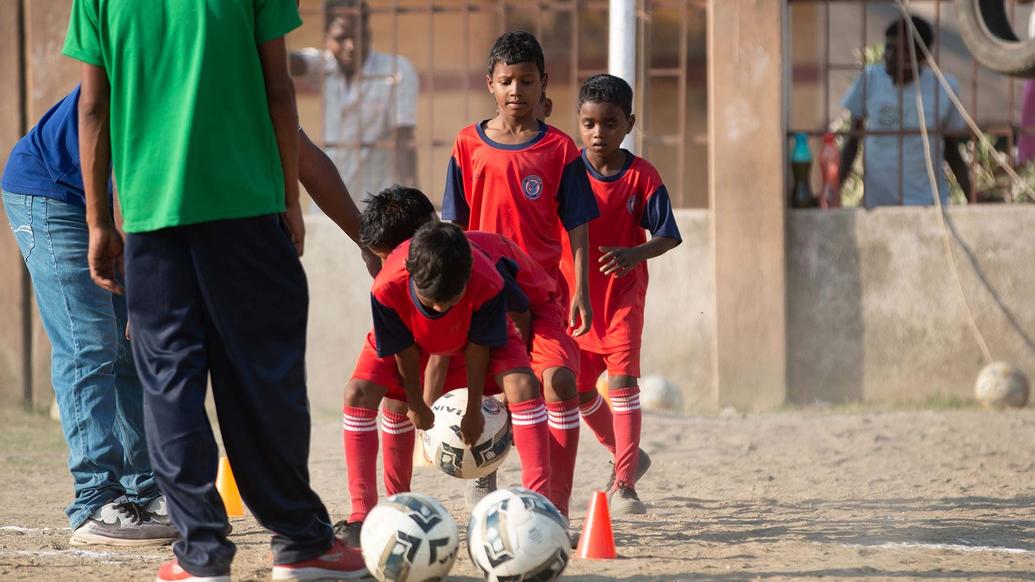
x,y
369,99
192,102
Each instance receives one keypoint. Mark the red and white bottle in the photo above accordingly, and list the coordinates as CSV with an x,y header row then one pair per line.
x,y
830,171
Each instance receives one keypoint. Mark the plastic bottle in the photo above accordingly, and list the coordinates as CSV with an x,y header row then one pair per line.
x,y
830,169
801,164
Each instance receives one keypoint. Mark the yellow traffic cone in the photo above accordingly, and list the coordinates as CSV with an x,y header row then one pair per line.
x,y
602,388
420,457
227,487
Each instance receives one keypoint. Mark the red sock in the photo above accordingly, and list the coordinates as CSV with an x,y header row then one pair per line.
x,y
628,419
598,418
564,446
397,439
532,440
359,427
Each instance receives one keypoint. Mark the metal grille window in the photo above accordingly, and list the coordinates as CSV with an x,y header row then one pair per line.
x,y
447,42
832,40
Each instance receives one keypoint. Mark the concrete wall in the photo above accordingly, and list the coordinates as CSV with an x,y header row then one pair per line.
x,y
873,312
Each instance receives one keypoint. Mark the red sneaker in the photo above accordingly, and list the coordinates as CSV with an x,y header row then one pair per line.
x,y
172,572
339,562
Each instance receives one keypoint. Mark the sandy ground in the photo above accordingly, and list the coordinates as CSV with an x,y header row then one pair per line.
x,y
791,495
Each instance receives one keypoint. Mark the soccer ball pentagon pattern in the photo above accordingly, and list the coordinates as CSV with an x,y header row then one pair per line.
x,y
517,535
409,537
447,451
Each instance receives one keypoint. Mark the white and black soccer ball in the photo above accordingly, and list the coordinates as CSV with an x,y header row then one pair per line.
x,y
409,537
1000,385
447,451
517,535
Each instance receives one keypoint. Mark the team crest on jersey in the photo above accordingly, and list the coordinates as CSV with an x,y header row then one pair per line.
x,y
631,204
532,186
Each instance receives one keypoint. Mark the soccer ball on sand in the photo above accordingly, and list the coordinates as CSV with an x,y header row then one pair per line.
x,y
1000,385
409,537
517,534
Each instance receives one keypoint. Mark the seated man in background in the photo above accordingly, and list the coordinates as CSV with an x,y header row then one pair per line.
x,y
883,98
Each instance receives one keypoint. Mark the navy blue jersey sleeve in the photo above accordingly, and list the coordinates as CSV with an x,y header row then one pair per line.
x,y
658,217
391,333
454,202
577,205
516,298
489,322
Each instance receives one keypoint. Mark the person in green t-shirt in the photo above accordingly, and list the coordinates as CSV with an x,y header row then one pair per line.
x,y
191,101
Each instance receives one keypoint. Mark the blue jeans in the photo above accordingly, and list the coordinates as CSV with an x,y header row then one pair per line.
x,y
95,381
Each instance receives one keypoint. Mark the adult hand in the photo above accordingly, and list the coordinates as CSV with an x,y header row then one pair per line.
x,y
105,258
471,426
618,261
295,225
421,416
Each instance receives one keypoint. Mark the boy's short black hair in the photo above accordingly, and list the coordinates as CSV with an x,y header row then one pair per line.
x,y
923,28
439,261
607,89
392,216
335,9
517,47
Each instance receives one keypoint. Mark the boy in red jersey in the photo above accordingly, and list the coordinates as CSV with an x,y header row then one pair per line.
x,y
631,197
532,304
434,296
516,176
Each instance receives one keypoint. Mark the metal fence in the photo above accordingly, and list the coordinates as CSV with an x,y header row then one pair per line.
x,y
447,42
832,41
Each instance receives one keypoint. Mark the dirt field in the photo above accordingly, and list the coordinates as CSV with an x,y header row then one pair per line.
x,y
793,495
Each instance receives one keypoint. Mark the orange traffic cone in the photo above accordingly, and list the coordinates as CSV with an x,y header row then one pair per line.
x,y
227,487
598,539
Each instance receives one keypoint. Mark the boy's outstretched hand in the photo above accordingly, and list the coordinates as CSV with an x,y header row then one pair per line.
x,y
105,258
619,261
295,225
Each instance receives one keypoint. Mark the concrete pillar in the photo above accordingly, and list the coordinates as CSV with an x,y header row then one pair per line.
x,y
15,376
746,190
50,76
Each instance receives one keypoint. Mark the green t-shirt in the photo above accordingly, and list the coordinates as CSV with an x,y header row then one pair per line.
x,y
191,135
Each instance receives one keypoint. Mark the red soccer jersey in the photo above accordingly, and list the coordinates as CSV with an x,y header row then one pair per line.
x,y
401,320
631,201
539,288
525,192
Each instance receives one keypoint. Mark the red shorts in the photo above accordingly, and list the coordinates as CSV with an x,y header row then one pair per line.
x,y
552,346
617,363
385,371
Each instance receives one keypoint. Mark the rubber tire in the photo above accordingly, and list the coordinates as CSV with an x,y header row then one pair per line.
x,y
987,33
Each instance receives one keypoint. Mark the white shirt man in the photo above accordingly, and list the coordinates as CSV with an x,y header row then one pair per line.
x,y
369,112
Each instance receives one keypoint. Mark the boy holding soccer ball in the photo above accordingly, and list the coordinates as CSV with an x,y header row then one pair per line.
x,y
434,296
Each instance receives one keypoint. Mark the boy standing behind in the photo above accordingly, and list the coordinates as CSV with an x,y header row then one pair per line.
x,y
516,176
631,198
202,131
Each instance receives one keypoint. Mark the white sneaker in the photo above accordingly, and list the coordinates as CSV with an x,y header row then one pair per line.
x,y
156,511
122,524
478,488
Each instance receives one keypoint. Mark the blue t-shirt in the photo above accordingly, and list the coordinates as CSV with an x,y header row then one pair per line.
x,y
46,161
